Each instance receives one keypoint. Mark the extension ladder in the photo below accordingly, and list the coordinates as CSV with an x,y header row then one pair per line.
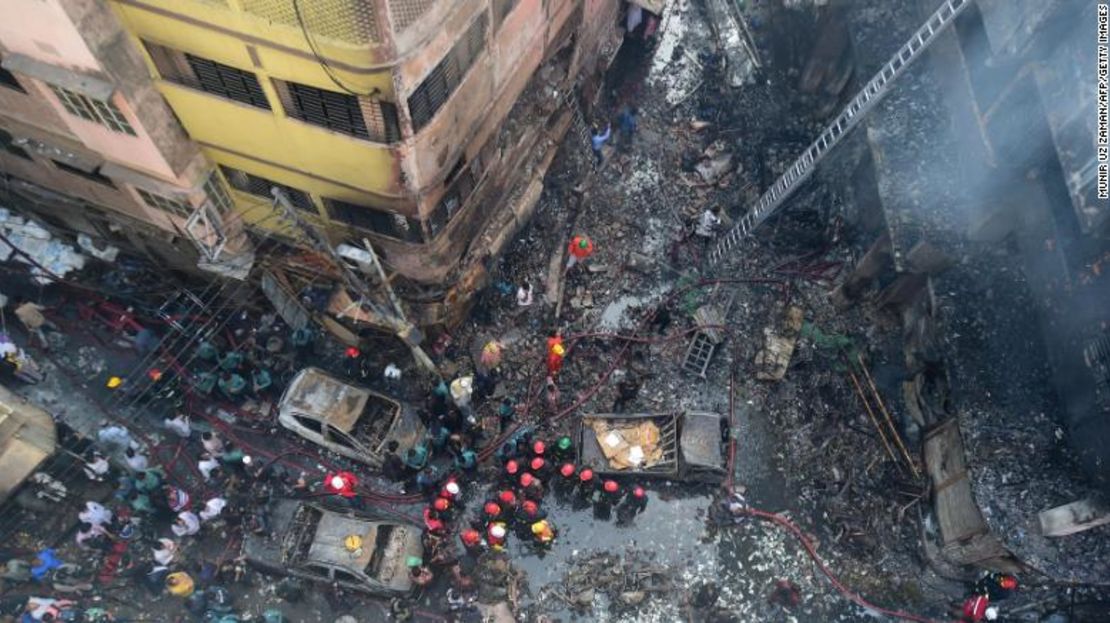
x,y
848,118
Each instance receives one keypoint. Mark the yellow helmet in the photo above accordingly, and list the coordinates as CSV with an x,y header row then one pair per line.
x,y
558,350
353,542
114,382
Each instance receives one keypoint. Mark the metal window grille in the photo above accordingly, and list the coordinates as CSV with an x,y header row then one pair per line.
x,y
405,13
10,147
9,80
260,187
446,76
328,109
226,81
104,113
216,192
165,204
381,120
372,219
92,176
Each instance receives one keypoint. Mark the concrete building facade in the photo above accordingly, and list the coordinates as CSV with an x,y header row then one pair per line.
x,y
388,122
382,121
91,146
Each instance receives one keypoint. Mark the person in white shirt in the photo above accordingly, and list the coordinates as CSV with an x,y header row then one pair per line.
x,y
165,552
95,513
136,462
97,468
212,509
212,443
86,532
179,425
186,524
207,465
392,375
524,295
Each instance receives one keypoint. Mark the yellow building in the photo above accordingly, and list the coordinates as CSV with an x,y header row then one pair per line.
x,y
381,120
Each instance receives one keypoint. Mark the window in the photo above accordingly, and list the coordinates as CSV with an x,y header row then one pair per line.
x,y
460,183
7,142
334,111
227,81
349,578
438,86
260,187
93,176
341,438
104,113
8,79
173,206
313,425
208,76
365,217
217,194
501,10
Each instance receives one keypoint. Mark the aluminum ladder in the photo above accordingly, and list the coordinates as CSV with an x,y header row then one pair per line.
x,y
848,118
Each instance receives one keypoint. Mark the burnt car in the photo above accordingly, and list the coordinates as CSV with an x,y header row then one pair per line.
x,y
690,446
353,421
355,549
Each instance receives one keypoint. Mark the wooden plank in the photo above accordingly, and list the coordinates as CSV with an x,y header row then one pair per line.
x,y
1073,518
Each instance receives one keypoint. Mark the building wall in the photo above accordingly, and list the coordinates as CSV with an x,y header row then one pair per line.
x,y
110,124
394,58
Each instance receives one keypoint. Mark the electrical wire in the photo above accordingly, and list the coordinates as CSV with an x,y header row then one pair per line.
x,y
319,57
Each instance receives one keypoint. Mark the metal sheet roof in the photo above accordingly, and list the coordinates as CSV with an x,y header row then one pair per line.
x,y
27,437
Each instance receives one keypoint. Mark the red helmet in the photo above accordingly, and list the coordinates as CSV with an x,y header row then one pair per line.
x,y
638,491
1008,582
512,467
527,479
538,448
470,537
567,470
537,464
352,352
610,486
441,504
492,509
507,497
530,507
586,475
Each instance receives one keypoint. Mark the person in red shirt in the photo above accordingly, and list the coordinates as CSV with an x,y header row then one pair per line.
x,y
342,484
556,351
432,523
580,248
975,609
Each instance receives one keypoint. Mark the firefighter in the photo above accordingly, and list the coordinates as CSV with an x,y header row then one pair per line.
x,y
564,449
471,539
544,533
531,487
539,467
507,500
634,503
492,510
495,535
996,586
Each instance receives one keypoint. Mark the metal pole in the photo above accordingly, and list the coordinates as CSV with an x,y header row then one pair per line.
x,y
400,327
